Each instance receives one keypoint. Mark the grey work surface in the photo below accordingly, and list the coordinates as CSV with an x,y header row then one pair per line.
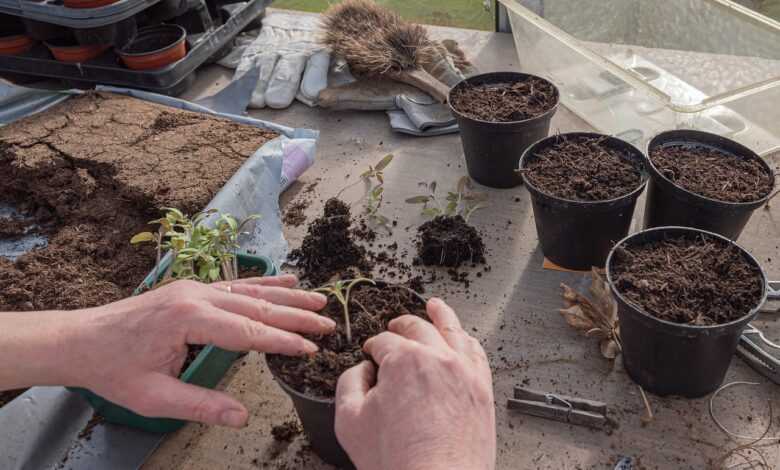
x,y
512,310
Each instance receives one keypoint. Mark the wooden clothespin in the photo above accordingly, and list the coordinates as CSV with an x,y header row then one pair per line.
x,y
562,408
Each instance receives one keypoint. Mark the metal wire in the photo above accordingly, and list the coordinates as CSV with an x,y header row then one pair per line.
x,y
722,427
752,330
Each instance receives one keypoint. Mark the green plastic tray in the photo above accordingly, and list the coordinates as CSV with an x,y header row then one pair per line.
x,y
206,370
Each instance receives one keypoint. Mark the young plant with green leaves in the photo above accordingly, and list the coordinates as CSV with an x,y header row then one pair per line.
x,y
340,290
463,201
200,250
374,180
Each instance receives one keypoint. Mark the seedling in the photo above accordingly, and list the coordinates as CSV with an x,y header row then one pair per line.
x,y
374,179
340,290
463,201
200,251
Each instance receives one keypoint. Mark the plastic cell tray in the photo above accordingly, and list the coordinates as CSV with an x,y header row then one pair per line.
x,y
107,69
53,11
634,68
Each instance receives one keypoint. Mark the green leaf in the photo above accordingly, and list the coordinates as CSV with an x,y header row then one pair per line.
x,y
142,238
384,162
431,212
418,200
377,192
380,178
452,206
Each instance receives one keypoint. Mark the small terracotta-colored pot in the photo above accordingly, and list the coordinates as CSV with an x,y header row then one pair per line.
x,y
87,3
15,45
75,53
155,47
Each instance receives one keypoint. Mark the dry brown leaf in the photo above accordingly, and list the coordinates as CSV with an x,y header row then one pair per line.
x,y
576,318
609,348
597,317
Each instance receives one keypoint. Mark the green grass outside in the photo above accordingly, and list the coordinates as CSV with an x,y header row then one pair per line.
x,y
458,13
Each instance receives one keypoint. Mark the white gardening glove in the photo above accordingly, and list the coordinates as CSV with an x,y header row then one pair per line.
x,y
282,51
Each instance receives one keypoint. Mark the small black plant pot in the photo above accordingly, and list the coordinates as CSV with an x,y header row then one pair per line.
x,y
579,234
669,204
318,415
117,35
41,31
318,418
492,149
668,358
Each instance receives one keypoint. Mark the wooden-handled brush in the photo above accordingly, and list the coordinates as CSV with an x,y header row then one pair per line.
x,y
377,42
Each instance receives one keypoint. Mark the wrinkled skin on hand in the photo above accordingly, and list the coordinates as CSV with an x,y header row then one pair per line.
x,y
429,406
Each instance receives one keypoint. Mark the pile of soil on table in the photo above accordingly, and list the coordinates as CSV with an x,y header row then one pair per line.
x,y
582,169
449,241
371,309
712,173
505,102
91,172
329,248
701,281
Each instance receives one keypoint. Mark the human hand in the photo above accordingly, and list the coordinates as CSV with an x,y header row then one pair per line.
x,y
429,407
131,352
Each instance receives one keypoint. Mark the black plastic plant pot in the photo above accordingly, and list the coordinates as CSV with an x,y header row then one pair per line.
x,y
668,358
318,415
579,234
492,149
671,205
318,418
41,31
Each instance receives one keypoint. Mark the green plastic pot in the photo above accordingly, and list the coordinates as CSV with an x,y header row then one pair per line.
x,y
206,370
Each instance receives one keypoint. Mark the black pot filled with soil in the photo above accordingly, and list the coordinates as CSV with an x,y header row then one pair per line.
x,y
499,115
684,296
584,188
311,381
704,181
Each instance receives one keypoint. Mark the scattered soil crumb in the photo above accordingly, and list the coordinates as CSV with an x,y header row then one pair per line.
x,y
712,173
582,169
286,431
700,281
295,214
94,421
505,102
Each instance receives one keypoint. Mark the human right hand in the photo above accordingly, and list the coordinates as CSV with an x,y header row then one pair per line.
x,y
429,407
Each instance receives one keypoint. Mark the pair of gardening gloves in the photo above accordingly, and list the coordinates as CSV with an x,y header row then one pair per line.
x,y
293,64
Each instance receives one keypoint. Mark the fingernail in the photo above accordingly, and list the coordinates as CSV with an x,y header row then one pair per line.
x,y
317,297
233,418
327,323
309,347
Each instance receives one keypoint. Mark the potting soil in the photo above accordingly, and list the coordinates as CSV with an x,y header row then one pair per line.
x,y
449,241
712,173
93,171
505,102
329,248
582,169
701,281
370,310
